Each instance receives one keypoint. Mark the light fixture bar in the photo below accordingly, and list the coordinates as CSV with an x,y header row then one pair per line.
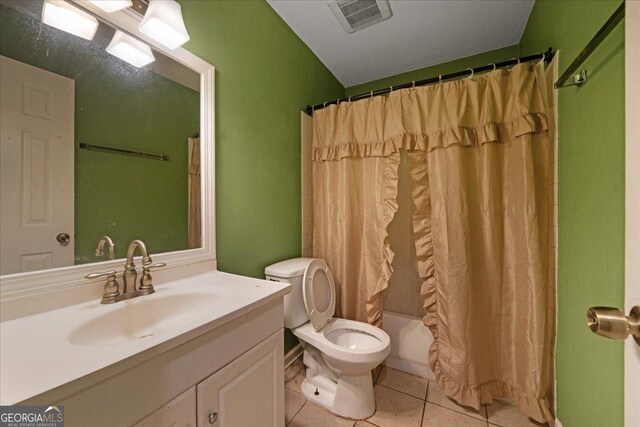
x,y
111,6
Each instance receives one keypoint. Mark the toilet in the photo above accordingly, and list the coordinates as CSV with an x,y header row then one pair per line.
x,y
339,354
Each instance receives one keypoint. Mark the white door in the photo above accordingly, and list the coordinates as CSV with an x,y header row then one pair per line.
x,y
37,169
248,392
632,209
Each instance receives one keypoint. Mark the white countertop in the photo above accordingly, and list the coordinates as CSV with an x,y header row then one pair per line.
x,y
41,352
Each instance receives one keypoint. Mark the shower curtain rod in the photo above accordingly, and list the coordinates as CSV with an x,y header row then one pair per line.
x,y
469,71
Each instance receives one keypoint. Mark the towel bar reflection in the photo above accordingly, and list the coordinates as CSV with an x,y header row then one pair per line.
x,y
154,156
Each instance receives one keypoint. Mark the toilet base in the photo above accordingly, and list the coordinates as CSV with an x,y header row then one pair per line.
x,y
349,396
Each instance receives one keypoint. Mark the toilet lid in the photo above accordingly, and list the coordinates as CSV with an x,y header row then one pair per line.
x,y
319,293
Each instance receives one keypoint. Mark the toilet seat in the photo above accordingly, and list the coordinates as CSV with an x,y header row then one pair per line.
x,y
377,341
319,293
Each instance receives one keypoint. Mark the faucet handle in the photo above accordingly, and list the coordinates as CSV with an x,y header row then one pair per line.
x,y
111,287
100,274
154,265
146,281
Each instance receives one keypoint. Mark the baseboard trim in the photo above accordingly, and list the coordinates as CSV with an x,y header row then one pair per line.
x,y
293,355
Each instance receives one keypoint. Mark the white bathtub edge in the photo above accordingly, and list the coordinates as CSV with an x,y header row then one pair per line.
x,y
410,342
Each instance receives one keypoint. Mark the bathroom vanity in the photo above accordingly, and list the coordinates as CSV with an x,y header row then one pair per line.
x,y
203,350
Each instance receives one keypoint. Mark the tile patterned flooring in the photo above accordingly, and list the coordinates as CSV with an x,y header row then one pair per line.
x,y
402,400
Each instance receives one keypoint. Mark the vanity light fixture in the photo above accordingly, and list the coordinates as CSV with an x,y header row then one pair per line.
x,y
111,6
130,50
63,16
163,22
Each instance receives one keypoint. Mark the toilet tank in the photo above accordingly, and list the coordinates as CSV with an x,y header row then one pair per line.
x,y
291,271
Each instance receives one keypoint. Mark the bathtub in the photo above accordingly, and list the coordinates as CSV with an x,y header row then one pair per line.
x,y
410,342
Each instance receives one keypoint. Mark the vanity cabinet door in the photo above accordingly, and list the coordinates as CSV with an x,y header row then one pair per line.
x,y
248,392
180,412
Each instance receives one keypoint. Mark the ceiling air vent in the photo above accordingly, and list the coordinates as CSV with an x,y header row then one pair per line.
x,y
354,15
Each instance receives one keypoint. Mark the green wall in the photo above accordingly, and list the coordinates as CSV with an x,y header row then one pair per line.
x,y
590,208
265,75
435,70
116,105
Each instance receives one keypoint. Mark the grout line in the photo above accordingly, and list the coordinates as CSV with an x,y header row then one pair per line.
x,y
402,392
424,407
458,412
296,414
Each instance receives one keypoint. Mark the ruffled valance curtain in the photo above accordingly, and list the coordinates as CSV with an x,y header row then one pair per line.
x,y
480,153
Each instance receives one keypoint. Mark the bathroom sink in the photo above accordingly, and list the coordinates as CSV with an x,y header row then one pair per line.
x,y
142,317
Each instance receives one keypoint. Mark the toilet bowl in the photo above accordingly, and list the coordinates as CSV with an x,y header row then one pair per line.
x,y
339,354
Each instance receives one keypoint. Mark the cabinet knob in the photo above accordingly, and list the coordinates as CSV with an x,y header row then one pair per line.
x,y
213,417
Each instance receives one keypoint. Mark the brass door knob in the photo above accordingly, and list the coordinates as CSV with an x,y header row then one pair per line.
x,y
611,323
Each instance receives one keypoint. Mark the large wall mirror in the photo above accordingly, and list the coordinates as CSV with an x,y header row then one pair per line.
x,y
96,140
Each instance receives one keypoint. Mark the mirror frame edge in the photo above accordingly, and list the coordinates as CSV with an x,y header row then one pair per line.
x,y
43,281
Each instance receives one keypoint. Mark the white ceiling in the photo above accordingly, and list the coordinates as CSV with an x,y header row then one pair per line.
x,y
419,34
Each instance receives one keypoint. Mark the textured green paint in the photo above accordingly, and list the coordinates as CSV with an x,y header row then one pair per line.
x,y
264,76
116,105
435,70
591,207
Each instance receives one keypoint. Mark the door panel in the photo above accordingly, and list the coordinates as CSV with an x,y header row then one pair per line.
x,y
248,392
37,170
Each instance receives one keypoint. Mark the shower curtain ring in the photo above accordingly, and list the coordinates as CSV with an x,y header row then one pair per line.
x,y
439,78
413,84
518,63
390,89
541,59
349,100
494,66
470,75
371,94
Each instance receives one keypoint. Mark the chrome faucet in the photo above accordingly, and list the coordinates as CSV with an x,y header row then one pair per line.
x,y
112,247
111,290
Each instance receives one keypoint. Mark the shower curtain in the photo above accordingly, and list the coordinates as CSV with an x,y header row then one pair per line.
x,y
354,198
482,188
194,223
481,152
